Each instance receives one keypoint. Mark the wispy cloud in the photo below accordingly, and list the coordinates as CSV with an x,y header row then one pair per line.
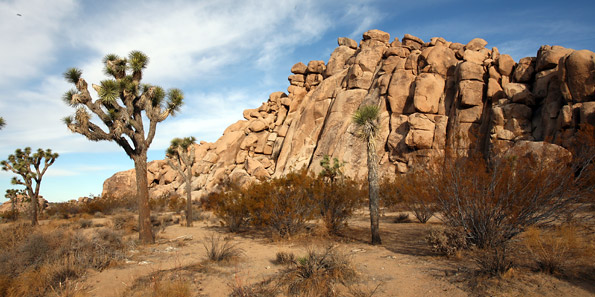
x,y
29,41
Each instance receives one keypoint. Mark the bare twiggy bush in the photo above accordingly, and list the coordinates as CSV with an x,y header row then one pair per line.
x,y
401,218
221,250
318,273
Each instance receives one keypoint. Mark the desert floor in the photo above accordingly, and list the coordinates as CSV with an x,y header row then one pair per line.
x,y
403,265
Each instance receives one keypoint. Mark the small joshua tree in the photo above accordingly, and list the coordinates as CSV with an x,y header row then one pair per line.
x,y
122,99
13,196
29,168
366,119
179,154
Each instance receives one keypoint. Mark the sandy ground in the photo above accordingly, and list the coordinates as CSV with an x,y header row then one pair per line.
x,y
402,266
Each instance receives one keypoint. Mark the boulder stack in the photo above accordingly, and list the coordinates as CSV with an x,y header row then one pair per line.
x,y
431,95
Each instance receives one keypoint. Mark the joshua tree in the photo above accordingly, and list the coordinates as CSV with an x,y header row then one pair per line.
x,y
2,122
122,99
366,119
181,153
13,196
29,167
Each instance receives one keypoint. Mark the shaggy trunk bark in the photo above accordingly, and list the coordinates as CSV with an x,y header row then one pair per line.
x,y
188,195
373,193
34,203
145,231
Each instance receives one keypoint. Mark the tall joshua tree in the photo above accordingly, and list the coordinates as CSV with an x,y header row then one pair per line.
x,y
122,100
29,167
179,154
366,118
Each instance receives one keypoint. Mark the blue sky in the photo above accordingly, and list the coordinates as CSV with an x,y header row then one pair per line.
x,y
225,55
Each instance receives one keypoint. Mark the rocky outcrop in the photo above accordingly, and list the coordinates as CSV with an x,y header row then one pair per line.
x,y
432,95
23,204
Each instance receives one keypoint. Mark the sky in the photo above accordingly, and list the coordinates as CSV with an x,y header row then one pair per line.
x,y
226,56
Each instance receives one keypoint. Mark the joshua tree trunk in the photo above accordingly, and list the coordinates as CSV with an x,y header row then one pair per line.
x,y
373,197
34,205
142,193
188,196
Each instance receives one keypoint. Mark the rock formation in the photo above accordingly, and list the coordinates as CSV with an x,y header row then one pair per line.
x,y
431,95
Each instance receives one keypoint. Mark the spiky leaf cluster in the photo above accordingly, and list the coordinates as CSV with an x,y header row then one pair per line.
x,y
2,123
179,146
366,118
120,103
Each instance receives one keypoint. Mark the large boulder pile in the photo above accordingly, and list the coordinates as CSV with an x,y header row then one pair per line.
x,y
432,95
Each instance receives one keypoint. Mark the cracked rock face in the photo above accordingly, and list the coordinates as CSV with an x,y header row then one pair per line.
x,y
431,95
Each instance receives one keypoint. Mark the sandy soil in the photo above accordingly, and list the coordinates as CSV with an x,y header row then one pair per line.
x,y
402,266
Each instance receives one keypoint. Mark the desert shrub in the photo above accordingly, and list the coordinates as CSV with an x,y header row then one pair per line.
x,y
494,260
108,205
85,223
494,200
416,195
551,249
447,241
336,201
124,221
231,205
265,288
10,215
318,273
63,210
221,250
401,218
283,258
40,261
389,193
336,196
284,204
176,203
